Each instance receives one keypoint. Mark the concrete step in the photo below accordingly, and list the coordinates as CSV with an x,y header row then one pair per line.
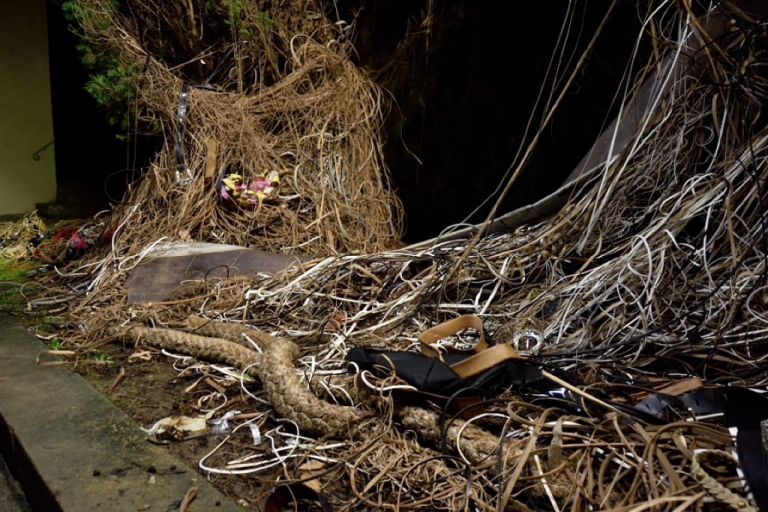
x,y
73,451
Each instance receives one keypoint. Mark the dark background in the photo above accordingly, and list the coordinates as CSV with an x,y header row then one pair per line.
x,y
462,90
94,160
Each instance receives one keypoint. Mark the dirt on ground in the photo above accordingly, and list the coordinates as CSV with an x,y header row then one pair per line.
x,y
150,389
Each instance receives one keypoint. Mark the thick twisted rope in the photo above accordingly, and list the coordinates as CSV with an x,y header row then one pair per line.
x,y
274,368
711,485
287,393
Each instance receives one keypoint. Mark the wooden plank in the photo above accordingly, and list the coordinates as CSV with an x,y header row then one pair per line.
x,y
155,280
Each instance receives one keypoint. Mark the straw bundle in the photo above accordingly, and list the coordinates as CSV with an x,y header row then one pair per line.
x,y
283,98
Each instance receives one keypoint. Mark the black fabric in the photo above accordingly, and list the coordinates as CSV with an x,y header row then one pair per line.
x,y
741,408
657,404
436,381
435,377
432,375
746,410
425,373
754,464
428,374
296,496
673,408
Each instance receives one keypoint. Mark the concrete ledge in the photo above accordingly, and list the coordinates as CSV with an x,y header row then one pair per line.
x,y
73,451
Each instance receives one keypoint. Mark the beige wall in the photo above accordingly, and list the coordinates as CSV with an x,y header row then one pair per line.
x,y
25,108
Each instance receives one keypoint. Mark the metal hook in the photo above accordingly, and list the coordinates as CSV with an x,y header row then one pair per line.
x,y
36,154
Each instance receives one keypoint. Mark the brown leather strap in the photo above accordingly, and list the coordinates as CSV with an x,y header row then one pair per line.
x,y
450,328
484,356
480,362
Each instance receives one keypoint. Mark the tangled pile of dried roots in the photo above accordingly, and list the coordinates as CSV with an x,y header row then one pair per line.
x,y
16,238
282,97
655,271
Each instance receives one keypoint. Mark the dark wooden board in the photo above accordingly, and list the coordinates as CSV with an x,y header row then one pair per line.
x,y
156,279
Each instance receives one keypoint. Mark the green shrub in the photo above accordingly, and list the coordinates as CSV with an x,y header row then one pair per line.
x,y
111,83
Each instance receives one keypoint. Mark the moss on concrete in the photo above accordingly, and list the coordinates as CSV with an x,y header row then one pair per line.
x,y
13,275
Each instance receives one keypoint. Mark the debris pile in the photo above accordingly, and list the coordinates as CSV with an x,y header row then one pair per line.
x,y
616,359
282,104
18,239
